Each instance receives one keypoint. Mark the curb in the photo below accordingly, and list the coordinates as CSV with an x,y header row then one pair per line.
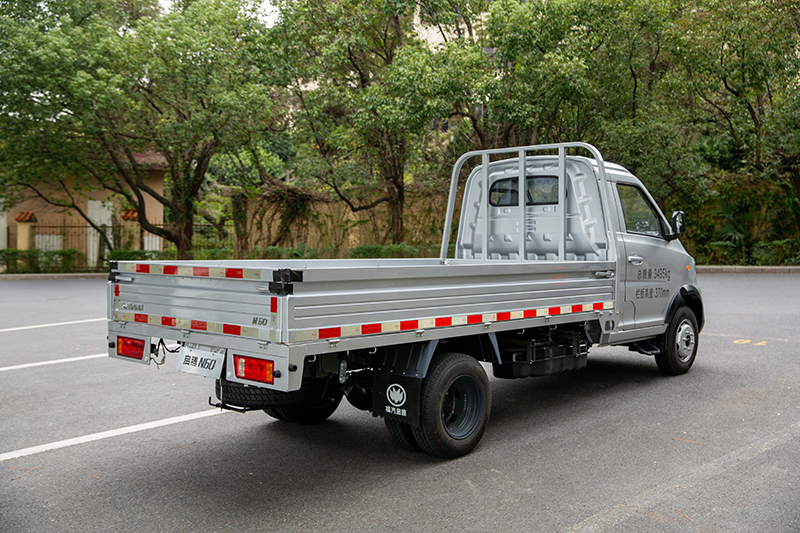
x,y
719,269
55,275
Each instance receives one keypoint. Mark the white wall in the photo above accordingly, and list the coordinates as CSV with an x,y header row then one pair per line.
x,y
3,230
100,213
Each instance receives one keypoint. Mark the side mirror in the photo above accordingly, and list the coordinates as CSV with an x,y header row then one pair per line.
x,y
678,225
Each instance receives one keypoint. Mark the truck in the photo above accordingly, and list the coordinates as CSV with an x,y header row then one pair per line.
x,y
555,252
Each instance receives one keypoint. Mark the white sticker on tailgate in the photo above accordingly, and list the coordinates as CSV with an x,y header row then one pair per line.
x,y
203,360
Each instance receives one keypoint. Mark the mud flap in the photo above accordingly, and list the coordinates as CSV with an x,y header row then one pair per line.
x,y
397,397
399,371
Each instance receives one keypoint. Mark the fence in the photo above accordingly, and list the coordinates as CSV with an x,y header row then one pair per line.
x,y
87,241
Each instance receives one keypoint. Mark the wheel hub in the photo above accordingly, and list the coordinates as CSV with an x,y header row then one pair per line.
x,y
461,407
685,340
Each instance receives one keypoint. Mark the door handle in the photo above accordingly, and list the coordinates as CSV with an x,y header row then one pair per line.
x,y
635,259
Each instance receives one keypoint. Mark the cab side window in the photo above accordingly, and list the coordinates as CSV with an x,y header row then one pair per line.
x,y
640,216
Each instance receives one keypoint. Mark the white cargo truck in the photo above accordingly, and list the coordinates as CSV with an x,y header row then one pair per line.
x,y
583,257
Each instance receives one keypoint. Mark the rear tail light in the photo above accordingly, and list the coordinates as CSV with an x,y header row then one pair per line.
x,y
128,347
253,369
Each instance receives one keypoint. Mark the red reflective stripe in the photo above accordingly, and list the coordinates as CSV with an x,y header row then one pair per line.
x,y
554,311
329,333
442,322
199,324
474,319
168,321
228,329
405,325
236,273
140,318
116,290
529,313
273,305
503,316
597,306
144,269
170,270
200,271
577,308
368,329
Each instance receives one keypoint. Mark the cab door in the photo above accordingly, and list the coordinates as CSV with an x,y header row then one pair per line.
x,y
650,259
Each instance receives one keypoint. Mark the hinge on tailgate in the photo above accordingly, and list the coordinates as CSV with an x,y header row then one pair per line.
x,y
282,280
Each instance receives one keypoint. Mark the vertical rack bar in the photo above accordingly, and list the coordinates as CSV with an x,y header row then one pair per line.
x,y
522,197
485,206
562,204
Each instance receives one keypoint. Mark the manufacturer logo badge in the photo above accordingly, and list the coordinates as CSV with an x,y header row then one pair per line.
x,y
396,395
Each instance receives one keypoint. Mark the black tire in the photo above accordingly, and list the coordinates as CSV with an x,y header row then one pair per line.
x,y
240,395
402,434
275,413
680,345
312,413
455,405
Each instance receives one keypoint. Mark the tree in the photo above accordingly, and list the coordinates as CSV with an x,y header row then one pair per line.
x,y
87,87
357,121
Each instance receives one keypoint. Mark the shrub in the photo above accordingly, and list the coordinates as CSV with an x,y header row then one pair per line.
x,y
37,261
375,251
780,252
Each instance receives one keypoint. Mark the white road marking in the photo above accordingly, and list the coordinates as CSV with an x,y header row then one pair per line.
x,y
54,324
53,362
108,434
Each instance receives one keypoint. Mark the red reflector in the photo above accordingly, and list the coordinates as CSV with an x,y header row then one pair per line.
x,y
133,348
405,325
236,273
254,369
369,329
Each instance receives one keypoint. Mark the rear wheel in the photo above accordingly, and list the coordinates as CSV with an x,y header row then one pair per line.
x,y
312,413
403,434
275,413
455,406
680,346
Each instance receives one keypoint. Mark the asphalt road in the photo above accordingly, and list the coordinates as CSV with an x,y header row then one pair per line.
x,y
614,447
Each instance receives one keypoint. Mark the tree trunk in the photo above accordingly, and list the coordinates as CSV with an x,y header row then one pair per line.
x,y
396,194
184,230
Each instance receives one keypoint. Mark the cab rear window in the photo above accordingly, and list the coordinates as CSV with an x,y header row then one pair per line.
x,y
540,190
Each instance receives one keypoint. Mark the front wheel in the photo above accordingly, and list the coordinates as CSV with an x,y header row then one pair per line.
x,y
680,346
456,401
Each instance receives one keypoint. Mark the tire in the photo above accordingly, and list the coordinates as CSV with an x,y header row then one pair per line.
x,y
312,413
680,345
240,395
455,405
275,413
402,434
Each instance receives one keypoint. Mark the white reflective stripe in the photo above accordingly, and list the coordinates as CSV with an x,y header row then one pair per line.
x,y
430,323
189,271
106,434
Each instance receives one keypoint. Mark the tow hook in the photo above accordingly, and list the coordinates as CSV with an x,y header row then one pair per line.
x,y
228,407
